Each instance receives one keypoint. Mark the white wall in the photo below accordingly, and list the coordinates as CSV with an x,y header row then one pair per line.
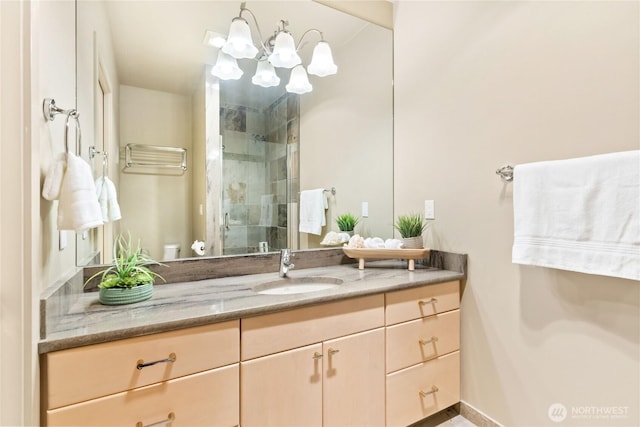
x,y
481,84
346,128
156,208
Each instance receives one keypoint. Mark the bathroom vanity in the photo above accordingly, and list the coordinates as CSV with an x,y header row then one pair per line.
x,y
380,349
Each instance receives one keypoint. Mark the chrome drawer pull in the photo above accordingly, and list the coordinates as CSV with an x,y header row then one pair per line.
x,y
426,393
431,301
332,351
317,356
170,359
170,418
425,342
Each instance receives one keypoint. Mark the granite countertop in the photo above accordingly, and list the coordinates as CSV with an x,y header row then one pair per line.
x,y
188,304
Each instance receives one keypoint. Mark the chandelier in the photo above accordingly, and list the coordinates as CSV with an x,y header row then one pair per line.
x,y
279,50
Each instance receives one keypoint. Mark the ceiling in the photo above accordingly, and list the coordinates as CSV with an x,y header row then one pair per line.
x,y
159,44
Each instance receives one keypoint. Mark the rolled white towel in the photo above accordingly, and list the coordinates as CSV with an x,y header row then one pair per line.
x,y
393,244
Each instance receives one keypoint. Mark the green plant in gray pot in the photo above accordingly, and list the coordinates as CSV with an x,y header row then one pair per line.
x,y
411,227
347,222
129,279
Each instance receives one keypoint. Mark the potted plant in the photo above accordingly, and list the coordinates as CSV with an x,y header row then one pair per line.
x,y
347,222
410,228
129,279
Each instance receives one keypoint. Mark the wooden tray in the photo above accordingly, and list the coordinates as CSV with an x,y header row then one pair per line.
x,y
409,254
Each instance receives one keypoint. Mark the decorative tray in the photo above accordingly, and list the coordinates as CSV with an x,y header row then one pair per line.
x,y
409,254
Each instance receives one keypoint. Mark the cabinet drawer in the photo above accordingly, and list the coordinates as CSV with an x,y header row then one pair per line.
x,y
438,379
282,331
202,399
419,302
423,339
85,373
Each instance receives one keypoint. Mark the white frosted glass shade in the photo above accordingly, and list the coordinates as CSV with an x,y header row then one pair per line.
x,y
299,82
322,61
226,67
284,51
265,75
239,43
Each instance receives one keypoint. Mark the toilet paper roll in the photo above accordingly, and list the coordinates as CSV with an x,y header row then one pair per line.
x,y
198,247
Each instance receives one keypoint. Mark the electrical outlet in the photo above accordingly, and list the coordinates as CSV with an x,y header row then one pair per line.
x,y
365,209
429,209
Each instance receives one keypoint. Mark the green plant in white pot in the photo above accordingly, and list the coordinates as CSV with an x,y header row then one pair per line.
x,y
411,227
129,279
347,222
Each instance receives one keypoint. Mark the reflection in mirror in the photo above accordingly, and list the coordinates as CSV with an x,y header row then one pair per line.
x,y
250,150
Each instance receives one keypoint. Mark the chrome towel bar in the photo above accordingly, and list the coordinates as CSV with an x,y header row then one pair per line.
x,y
506,173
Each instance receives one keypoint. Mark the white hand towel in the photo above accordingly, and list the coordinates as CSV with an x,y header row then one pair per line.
x,y
312,206
78,208
53,180
112,196
266,210
579,214
103,200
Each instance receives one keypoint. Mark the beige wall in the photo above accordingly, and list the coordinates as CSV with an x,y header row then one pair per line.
x,y
481,84
345,136
156,208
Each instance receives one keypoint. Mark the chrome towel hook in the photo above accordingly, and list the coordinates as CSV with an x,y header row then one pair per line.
x,y
51,110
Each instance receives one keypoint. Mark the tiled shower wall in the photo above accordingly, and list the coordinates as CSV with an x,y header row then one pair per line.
x,y
257,176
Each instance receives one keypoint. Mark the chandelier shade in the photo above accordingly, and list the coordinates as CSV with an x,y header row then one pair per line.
x,y
226,67
239,43
322,61
299,82
284,51
265,75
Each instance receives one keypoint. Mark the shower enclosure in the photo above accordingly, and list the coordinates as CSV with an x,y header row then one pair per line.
x,y
252,167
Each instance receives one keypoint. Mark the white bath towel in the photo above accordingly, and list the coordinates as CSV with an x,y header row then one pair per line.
x,y
78,209
108,199
266,210
579,214
312,206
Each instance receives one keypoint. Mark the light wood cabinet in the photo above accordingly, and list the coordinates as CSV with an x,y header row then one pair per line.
x,y
333,376
422,352
147,377
336,383
386,359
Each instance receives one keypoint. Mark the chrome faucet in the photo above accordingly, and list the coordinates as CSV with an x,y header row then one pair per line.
x,y
285,262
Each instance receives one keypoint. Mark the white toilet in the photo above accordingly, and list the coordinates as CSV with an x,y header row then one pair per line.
x,y
171,251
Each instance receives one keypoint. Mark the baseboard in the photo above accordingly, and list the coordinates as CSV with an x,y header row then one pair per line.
x,y
477,417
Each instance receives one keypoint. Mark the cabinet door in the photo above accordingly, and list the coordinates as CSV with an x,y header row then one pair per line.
x,y
354,380
283,389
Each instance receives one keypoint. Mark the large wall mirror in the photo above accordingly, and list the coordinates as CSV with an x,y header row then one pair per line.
x,y
144,81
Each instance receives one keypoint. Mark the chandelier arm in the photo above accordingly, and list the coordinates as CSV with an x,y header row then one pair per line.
x,y
307,32
255,21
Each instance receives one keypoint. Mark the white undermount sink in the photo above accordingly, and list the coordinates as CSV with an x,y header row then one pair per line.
x,y
297,285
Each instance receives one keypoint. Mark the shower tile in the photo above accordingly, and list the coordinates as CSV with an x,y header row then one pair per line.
x,y
236,192
253,214
282,215
235,237
293,106
293,131
234,119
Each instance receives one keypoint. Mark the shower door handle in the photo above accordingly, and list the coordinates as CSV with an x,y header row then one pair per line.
x,y
226,221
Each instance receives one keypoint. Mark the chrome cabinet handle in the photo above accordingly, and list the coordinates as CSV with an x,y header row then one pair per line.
x,y
170,418
332,351
431,301
317,356
425,342
141,364
433,390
